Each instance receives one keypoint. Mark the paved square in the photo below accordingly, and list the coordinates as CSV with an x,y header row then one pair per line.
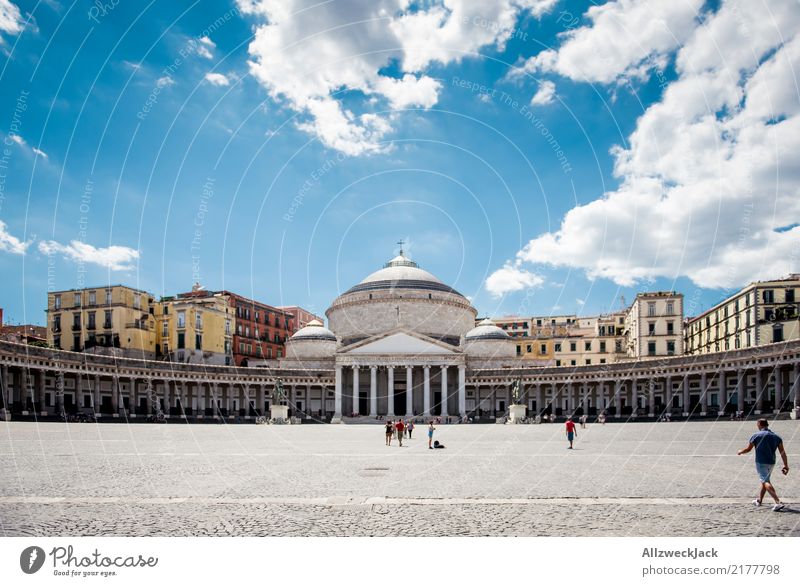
x,y
650,479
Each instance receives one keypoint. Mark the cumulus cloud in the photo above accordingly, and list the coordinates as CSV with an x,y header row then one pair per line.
x,y
545,94
9,243
10,18
217,79
116,258
710,177
165,81
625,38
309,54
39,152
511,278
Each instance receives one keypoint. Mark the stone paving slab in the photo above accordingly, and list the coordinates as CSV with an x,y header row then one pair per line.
x,y
622,479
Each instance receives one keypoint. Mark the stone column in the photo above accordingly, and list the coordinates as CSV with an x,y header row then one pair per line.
x,y
686,399
635,397
115,395
390,392
409,391
462,390
96,394
759,393
722,385
373,391
651,398
355,389
260,400
796,386
39,382
703,393
539,399
337,402
4,396
426,392
668,393
778,389
201,399
741,386
617,398
444,390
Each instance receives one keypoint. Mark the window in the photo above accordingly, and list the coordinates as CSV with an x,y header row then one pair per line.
x,y
137,301
670,308
76,321
247,331
92,320
181,340
519,350
76,343
108,297
651,348
670,347
651,328
573,347
790,296
227,327
572,363
92,298
671,328
768,295
165,328
558,347
777,333
558,363
651,309
543,349
587,346
198,342
256,316
769,314
602,361
588,361
239,329
198,320
57,302
602,346
529,348
107,318
166,310
77,300
181,319
57,342
56,323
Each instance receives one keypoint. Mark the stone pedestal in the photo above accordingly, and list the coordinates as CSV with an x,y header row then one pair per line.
x,y
516,413
279,412
795,413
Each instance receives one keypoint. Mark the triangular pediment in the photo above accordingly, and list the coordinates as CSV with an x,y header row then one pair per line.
x,y
399,342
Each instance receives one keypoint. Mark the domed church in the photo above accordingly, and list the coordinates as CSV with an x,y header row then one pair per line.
x,y
400,342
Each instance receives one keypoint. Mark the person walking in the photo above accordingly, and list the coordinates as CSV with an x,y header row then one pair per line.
x,y
389,432
410,428
765,442
572,433
430,436
400,427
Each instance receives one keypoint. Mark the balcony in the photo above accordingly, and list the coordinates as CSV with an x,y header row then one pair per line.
x,y
91,326
107,325
76,327
135,325
57,328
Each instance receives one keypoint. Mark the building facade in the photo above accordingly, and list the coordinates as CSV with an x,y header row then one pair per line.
x,y
764,312
116,320
261,329
654,325
300,317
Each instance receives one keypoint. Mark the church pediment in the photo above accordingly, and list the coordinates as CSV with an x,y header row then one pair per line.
x,y
400,342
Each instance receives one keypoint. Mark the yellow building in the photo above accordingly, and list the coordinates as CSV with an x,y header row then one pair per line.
x,y
115,320
763,312
195,327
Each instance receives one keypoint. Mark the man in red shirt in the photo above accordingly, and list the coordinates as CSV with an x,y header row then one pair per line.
x,y
572,433
400,427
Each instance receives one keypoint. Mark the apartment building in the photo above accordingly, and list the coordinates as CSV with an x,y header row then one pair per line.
x,y
115,320
763,312
654,325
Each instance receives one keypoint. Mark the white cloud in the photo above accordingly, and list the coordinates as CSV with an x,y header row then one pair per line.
x,y
17,139
116,258
165,81
625,38
208,42
10,18
710,177
511,278
307,54
39,152
545,94
217,79
204,52
9,243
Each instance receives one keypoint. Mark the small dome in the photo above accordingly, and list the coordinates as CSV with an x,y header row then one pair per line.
x,y
486,330
314,330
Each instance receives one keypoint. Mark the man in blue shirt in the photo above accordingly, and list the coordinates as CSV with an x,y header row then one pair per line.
x,y
766,442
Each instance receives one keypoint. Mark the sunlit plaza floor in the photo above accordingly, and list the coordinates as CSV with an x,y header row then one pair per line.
x,y
621,479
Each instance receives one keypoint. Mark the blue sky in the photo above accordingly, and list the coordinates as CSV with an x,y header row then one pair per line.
x,y
540,156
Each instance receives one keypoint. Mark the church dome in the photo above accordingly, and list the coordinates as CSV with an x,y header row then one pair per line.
x,y
401,273
487,330
314,330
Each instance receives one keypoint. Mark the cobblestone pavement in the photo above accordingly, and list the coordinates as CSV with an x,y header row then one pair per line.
x,y
622,479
